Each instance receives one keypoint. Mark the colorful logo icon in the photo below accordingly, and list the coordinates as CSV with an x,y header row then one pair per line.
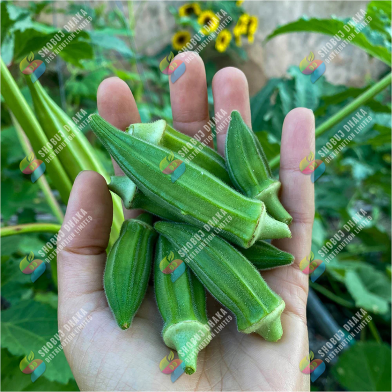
x,y
310,66
312,267
174,267
33,166
315,368
35,367
172,366
32,67
315,167
34,267
175,167
174,68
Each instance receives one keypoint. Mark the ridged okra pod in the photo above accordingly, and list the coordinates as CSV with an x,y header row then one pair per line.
x,y
162,134
230,278
195,196
133,198
128,268
249,169
265,256
182,305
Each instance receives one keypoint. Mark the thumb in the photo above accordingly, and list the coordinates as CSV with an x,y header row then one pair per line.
x,y
84,237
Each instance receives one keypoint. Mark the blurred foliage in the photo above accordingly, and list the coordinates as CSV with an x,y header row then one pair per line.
x,y
359,177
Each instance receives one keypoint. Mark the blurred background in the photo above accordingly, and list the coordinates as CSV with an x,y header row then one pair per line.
x,y
265,39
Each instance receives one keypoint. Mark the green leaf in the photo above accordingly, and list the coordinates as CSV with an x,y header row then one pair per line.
x,y
111,42
307,94
331,27
365,366
12,379
261,102
269,143
370,289
49,298
28,326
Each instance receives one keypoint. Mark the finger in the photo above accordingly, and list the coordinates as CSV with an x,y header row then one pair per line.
x,y
86,229
231,92
189,98
297,196
117,106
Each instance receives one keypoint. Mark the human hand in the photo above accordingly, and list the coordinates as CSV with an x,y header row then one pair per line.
x,y
102,356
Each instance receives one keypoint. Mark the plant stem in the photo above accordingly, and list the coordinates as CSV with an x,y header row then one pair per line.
x,y
331,296
336,118
21,110
42,181
374,331
29,228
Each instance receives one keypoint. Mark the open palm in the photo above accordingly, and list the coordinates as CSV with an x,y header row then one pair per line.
x,y
102,356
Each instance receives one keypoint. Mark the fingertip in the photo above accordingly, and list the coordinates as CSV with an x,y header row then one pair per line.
x,y
298,137
189,96
89,214
116,103
231,92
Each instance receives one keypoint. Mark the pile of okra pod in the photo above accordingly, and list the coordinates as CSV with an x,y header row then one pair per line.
x,y
213,215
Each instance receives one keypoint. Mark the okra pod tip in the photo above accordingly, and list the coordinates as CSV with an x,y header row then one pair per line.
x,y
180,335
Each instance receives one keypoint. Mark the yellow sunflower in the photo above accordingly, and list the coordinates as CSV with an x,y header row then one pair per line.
x,y
189,9
252,27
208,21
180,39
242,24
238,41
239,3
223,40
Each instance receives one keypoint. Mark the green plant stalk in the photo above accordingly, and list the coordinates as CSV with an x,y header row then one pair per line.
x,y
336,118
265,256
42,181
374,331
25,117
196,196
331,296
249,170
182,305
128,269
78,154
162,134
29,228
230,278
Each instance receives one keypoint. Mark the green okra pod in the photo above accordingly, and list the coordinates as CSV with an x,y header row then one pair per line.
x,y
128,268
230,278
265,256
162,134
194,195
182,304
249,169
134,198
